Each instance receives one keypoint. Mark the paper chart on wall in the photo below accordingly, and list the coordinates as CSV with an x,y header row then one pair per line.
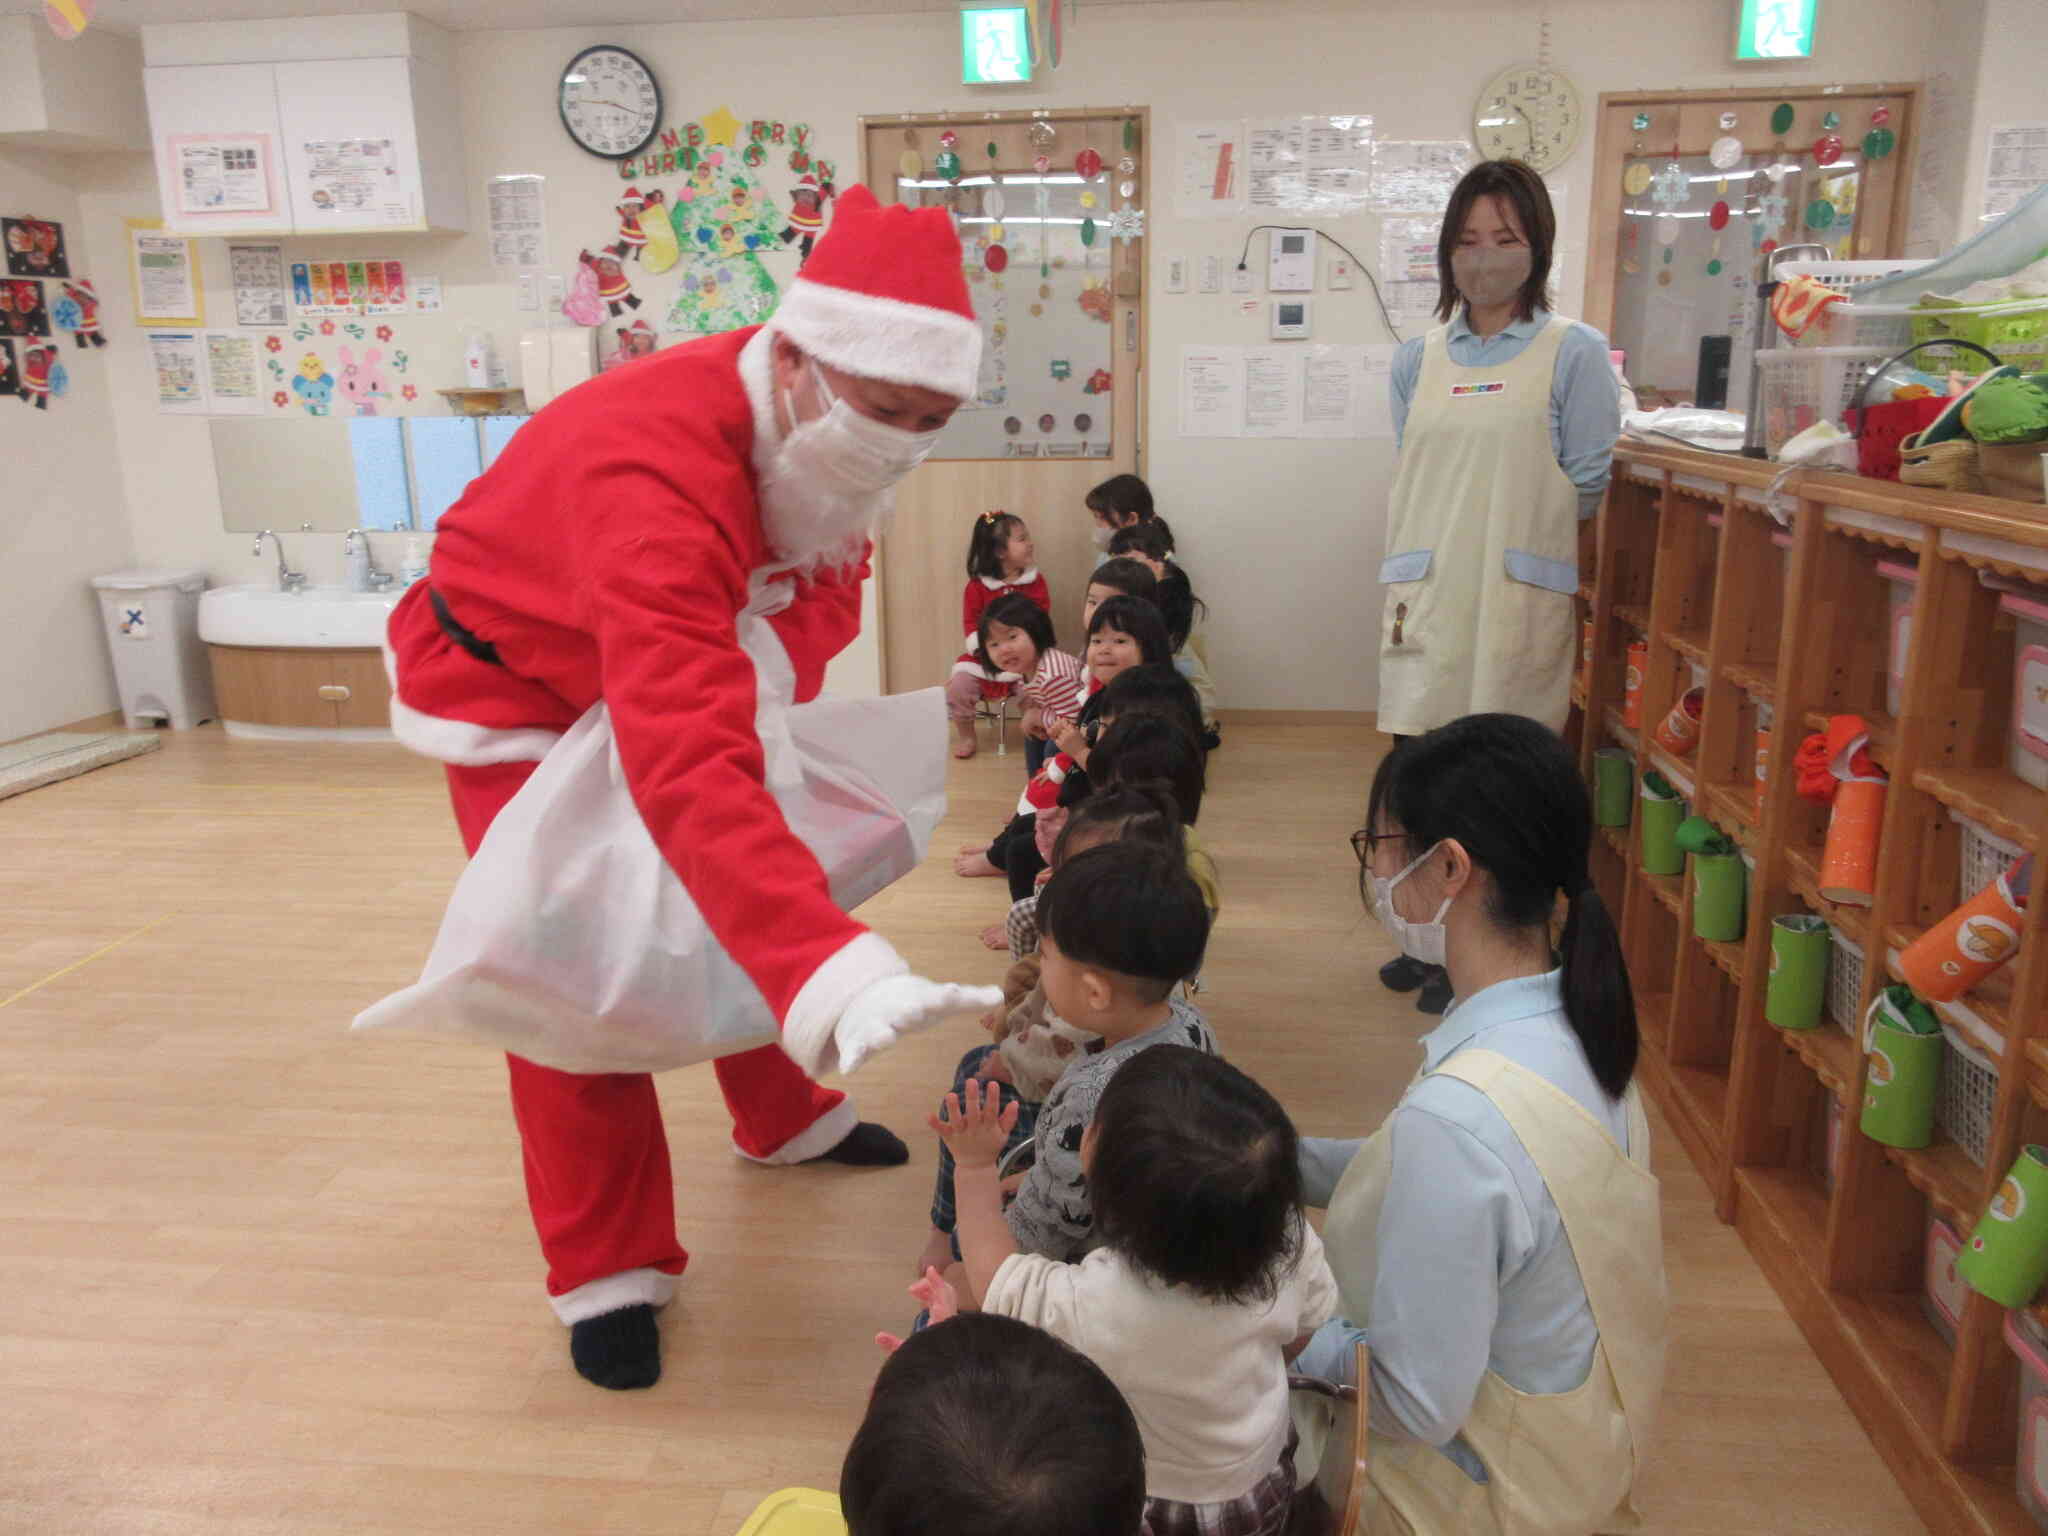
x,y
1211,391
356,181
1275,178
234,374
1285,391
1208,175
1336,163
518,213
1417,175
1272,392
2015,164
164,275
223,173
180,372
259,282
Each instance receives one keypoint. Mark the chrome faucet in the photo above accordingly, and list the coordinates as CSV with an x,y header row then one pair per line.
x,y
288,580
374,580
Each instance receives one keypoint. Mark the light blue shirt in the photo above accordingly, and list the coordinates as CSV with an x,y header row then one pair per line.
x,y
1475,1271
1585,401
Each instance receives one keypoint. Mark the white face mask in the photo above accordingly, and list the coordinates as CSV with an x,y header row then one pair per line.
x,y
852,454
1102,536
1418,941
1490,276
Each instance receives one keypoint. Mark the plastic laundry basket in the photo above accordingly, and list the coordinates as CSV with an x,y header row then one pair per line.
x,y
152,624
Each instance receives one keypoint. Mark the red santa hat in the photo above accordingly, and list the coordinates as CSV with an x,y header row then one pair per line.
x,y
82,285
883,296
632,196
639,327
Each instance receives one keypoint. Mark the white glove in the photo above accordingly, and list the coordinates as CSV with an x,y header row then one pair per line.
x,y
885,1010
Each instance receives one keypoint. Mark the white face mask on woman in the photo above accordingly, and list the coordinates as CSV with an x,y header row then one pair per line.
x,y
831,482
1490,276
1418,941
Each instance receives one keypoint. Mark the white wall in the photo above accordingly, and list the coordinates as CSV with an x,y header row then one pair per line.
x,y
65,518
1272,532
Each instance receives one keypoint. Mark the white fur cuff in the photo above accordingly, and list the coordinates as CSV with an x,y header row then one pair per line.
x,y
814,1014
815,1140
628,1288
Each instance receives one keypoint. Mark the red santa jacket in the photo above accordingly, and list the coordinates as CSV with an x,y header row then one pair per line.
x,y
606,554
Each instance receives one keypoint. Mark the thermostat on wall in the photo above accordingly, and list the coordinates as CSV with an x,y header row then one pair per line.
x,y
1290,320
1291,261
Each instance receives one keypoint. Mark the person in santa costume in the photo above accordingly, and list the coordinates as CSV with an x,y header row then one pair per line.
x,y
806,215
607,554
632,238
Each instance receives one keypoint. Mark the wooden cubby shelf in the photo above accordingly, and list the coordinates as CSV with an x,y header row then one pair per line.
x,y
1796,634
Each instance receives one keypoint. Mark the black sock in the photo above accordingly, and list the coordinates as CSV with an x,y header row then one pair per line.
x,y
868,1145
620,1350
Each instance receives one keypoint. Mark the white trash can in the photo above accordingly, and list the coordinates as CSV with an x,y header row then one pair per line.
x,y
152,620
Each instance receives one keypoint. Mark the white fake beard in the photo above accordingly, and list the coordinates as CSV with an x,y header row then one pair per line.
x,y
813,526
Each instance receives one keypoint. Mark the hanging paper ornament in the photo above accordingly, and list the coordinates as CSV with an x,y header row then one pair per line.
x,y
1714,267
1769,246
1087,199
1782,118
1827,149
1820,214
1037,310
1878,143
1664,279
947,165
1088,232
1127,189
1130,133
1665,228
995,258
1728,122
1127,166
1045,290
993,202
1670,255
990,147
1041,163
949,140
1717,216
1641,122
1671,187
1127,224
1635,181
1041,133
1725,154
1880,117
995,233
1831,120
1088,164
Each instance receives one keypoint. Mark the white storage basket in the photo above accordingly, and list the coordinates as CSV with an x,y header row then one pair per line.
x,y
1969,1093
1986,856
1845,982
1849,324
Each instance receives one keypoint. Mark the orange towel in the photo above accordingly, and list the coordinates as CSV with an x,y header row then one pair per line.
x,y
1799,302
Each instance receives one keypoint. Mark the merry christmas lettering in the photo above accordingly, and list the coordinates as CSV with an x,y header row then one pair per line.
x,y
682,148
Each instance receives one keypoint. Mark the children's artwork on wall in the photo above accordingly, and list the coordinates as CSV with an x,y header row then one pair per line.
x,y
22,311
634,341
77,310
313,385
38,360
350,288
632,238
613,286
662,251
35,248
369,384
582,306
10,371
806,215
722,296
364,382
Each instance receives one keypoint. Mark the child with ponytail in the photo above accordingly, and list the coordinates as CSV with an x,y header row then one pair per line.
x,y
1000,560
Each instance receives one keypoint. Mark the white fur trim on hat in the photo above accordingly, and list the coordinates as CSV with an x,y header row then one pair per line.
x,y
880,338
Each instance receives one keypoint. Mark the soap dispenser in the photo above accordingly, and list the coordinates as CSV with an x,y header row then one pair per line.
x,y
358,549
415,566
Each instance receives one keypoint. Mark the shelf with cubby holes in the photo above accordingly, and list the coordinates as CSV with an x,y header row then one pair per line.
x,y
1783,629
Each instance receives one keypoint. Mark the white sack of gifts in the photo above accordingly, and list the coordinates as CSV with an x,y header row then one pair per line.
x,y
571,942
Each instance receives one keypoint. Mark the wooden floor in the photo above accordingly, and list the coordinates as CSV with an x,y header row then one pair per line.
x,y
257,1275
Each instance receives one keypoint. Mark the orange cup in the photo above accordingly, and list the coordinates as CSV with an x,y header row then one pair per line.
x,y
1679,731
1966,946
1632,684
1848,863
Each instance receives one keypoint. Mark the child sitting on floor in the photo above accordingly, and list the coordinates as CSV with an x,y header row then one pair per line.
x,y
1033,1045
987,1425
999,564
1203,1282
1015,638
1175,598
1117,578
1122,501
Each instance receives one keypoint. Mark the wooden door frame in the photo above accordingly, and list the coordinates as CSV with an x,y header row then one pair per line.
x,y
1613,145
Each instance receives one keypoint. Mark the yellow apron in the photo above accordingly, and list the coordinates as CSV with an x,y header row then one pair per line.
x,y
1558,1464
1482,547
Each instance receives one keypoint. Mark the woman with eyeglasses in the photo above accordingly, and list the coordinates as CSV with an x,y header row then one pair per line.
x,y
1506,416
1497,1240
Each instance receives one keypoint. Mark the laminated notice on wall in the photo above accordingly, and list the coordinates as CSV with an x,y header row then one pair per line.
x,y
2015,164
259,282
1417,175
358,181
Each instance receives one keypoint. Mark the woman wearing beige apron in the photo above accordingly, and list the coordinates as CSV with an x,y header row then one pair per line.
x,y
1497,1240
1506,416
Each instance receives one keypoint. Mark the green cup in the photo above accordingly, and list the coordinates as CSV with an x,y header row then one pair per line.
x,y
1799,971
1718,882
2006,1257
1904,1047
1658,828
1614,773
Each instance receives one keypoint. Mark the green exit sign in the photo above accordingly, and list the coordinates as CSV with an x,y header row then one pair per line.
x,y
995,46
1776,29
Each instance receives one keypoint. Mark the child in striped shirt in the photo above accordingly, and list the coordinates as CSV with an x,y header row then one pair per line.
x,y
1015,637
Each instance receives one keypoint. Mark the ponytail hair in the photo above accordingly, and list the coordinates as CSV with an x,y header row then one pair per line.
x,y
986,543
1508,790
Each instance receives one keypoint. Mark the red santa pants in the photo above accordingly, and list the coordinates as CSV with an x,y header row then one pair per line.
x,y
597,1168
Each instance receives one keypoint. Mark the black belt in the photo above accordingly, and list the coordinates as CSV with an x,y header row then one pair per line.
x,y
482,650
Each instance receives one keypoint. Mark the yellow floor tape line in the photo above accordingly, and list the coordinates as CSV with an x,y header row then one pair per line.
x,y
77,965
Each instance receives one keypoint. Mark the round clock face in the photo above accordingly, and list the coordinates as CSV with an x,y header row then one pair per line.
x,y
1530,114
610,103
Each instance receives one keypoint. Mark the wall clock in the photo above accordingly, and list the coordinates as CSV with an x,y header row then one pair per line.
x,y
610,102
1530,113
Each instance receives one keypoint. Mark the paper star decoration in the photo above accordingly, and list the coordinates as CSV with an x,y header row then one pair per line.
x,y
720,126
1127,224
1671,187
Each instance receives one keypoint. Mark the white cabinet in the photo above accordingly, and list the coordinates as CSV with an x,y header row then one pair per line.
x,y
366,143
